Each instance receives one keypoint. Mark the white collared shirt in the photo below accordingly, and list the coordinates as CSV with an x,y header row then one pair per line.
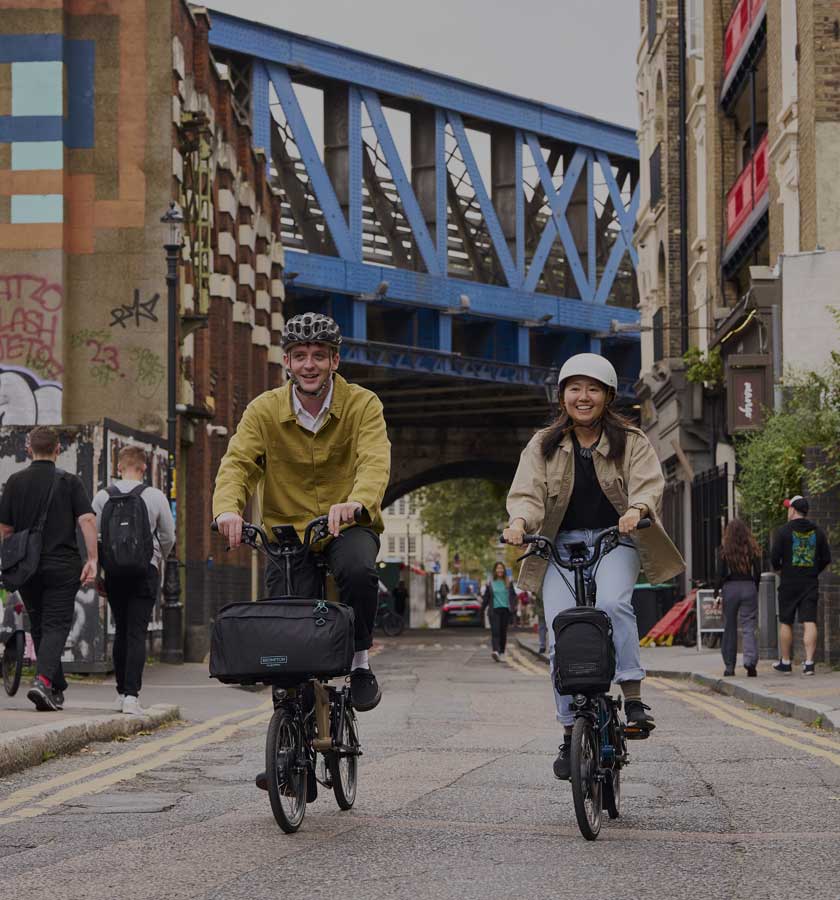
x,y
305,419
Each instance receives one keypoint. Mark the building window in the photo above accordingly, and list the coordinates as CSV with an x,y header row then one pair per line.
x,y
651,22
658,336
401,506
392,544
402,545
694,28
656,176
412,546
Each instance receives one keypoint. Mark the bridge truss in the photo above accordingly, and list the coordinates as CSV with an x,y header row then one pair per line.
x,y
454,231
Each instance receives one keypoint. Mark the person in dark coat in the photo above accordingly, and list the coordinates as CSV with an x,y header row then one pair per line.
x,y
500,597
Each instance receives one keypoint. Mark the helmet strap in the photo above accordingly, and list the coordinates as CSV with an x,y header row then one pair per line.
x,y
312,395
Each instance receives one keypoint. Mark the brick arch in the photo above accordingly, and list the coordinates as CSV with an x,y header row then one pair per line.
x,y
501,472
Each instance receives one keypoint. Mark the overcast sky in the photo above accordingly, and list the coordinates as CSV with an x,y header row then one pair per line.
x,y
574,53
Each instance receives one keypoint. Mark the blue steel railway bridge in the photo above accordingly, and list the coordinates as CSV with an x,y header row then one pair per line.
x,y
466,240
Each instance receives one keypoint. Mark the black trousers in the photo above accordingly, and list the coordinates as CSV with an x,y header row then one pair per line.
x,y
132,601
352,560
50,598
499,619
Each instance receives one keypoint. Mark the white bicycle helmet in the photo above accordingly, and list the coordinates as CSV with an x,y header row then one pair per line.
x,y
590,365
311,328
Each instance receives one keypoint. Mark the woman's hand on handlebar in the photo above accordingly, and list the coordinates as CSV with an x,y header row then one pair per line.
x,y
230,527
514,533
342,514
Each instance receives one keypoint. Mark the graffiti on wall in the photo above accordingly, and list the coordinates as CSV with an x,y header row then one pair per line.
x,y
135,311
27,400
30,324
106,362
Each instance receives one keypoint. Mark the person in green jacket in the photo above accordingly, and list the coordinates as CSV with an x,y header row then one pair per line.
x,y
317,446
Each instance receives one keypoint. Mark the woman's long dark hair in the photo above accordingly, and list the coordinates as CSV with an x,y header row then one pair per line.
x,y
739,547
614,426
504,573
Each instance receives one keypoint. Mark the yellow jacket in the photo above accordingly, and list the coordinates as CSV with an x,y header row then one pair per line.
x,y
542,489
305,474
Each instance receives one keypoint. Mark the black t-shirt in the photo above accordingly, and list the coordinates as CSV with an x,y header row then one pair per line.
x,y
588,506
22,503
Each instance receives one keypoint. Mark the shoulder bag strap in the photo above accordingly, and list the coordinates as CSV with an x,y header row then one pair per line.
x,y
43,517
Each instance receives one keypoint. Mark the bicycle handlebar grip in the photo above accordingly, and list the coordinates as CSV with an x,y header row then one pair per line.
x,y
643,523
358,515
214,526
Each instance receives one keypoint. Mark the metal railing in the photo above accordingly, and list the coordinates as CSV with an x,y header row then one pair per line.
x,y
740,22
709,515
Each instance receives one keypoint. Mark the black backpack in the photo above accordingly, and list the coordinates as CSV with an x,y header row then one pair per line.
x,y
584,653
125,533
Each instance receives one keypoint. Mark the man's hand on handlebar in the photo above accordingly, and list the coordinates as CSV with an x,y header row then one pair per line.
x,y
629,522
230,527
514,533
342,514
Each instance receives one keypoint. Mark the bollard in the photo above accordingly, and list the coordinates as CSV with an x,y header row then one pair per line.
x,y
768,620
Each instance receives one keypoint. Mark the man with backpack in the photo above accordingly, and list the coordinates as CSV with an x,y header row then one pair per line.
x,y
48,504
136,532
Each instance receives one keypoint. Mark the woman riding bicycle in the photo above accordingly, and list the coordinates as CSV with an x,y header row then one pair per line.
x,y
588,471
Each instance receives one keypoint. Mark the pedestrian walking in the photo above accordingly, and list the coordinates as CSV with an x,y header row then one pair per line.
x,y
400,593
52,503
799,554
588,471
500,598
737,578
137,532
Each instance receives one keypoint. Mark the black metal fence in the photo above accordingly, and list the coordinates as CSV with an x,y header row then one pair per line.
x,y
709,513
673,510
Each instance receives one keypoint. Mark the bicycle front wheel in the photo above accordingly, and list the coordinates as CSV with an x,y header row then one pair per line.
x,y
392,623
344,760
13,662
286,771
586,788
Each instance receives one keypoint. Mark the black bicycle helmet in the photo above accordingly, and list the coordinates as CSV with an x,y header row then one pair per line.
x,y
311,328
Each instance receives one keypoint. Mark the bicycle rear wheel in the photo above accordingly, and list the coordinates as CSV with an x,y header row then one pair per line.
x,y
586,789
392,623
13,662
612,794
286,770
343,762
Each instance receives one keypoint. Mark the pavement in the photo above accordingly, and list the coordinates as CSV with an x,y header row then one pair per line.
x,y
810,699
29,737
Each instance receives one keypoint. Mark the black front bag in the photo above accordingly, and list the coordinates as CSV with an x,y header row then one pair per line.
x,y
281,641
584,653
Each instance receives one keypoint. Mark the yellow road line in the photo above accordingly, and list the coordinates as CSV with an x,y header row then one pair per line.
x,y
526,664
26,795
97,785
821,740
733,718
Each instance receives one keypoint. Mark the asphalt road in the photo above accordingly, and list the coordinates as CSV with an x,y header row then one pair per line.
x,y
456,800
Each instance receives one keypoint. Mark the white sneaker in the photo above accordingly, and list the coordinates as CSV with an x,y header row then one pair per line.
x,y
501,657
131,706
495,655
118,703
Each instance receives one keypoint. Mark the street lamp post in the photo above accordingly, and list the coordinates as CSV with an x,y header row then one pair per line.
x,y
172,650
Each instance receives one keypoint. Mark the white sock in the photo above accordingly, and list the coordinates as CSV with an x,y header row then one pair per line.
x,y
809,662
785,662
360,660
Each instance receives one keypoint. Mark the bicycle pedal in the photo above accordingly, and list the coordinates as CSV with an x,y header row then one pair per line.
x,y
636,734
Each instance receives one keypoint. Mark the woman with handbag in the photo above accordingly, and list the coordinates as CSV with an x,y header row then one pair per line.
x,y
738,575
588,471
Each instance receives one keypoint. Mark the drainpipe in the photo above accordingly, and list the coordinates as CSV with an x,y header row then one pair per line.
x,y
683,183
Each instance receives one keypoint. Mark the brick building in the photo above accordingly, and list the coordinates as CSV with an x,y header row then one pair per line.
x,y
738,230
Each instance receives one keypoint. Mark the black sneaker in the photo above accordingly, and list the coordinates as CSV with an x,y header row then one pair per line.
x,y
58,696
728,673
783,668
364,690
563,765
809,669
752,672
637,715
262,781
42,696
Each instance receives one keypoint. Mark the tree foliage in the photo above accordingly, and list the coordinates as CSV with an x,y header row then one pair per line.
x,y
466,515
772,461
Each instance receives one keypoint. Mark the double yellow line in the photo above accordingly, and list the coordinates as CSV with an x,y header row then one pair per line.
x,y
817,745
40,798
518,661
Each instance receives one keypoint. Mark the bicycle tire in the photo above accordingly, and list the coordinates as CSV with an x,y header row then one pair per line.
x,y
13,662
286,778
344,769
393,623
586,789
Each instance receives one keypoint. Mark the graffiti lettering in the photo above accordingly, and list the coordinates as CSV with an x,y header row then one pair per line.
x,y
149,371
136,311
104,360
26,400
30,323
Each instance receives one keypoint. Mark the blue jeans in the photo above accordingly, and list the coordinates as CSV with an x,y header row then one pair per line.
x,y
615,579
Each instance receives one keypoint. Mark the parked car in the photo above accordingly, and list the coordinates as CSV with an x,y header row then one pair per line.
x,y
462,609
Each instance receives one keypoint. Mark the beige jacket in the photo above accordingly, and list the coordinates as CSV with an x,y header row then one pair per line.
x,y
542,488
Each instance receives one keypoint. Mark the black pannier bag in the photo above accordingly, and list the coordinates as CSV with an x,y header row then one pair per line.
x,y
281,641
584,653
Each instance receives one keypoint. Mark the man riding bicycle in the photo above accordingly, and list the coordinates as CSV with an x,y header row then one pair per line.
x,y
319,446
